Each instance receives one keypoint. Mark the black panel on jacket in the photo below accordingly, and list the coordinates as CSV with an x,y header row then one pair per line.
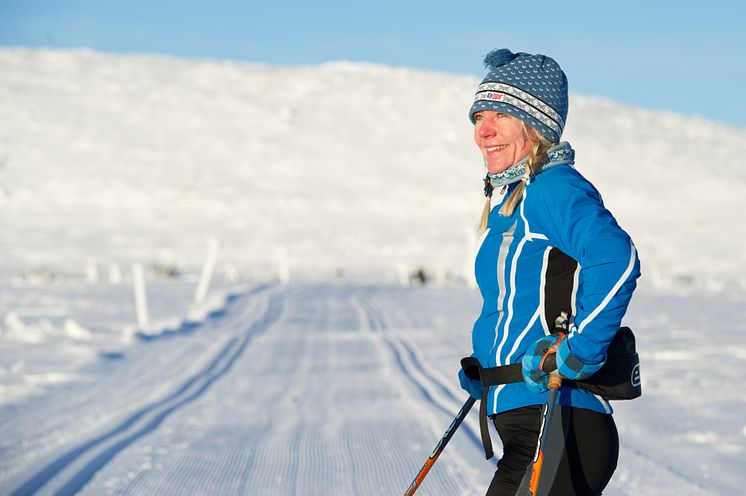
x,y
558,288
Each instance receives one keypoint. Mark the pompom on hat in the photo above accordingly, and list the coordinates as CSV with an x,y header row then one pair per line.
x,y
532,88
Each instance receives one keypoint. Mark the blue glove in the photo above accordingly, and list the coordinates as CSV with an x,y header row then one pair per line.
x,y
536,379
471,386
571,367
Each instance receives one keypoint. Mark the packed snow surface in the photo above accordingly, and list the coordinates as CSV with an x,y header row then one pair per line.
x,y
312,367
334,389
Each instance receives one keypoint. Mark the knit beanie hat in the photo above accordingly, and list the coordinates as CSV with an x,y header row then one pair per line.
x,y
532,88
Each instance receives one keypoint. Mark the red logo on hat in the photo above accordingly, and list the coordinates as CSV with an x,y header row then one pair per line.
x,y
494,96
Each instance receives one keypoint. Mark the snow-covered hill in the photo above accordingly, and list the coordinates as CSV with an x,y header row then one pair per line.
x,y
345,167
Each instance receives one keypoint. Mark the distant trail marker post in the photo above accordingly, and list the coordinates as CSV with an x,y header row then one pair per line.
x,y
141,299
208,268
283,265
403,274
91,270
115,273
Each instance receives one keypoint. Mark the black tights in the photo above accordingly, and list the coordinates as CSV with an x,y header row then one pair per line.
x,y
589,459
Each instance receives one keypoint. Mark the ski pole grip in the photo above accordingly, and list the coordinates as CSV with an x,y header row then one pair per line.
x,y
555,380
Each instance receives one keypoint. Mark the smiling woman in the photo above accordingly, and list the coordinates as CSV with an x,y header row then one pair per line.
x,y
556,273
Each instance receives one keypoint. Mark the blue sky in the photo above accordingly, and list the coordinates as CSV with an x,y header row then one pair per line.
x,y
675,55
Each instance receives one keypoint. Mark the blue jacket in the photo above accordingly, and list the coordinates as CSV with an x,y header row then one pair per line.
x,y
560,250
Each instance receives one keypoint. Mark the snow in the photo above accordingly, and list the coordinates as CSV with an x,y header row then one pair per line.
x,y
310,368
337,388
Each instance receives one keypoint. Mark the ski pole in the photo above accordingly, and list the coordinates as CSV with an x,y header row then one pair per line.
x,y
440,447
555,381
548,363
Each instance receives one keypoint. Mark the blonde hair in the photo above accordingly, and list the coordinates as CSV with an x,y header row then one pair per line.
x,y
534,159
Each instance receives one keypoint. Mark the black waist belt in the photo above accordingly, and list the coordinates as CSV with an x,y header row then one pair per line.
x,y
618,379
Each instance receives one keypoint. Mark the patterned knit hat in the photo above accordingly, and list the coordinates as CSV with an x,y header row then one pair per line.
x,y
532,88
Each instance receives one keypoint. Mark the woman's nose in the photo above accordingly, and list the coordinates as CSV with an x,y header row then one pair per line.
x,y
485,130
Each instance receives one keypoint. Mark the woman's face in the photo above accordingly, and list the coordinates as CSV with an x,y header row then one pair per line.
x,y
502,139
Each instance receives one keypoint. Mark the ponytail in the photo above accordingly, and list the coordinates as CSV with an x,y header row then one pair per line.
x,y
485,215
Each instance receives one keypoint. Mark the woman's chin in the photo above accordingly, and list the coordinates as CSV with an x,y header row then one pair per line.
x,y
496,169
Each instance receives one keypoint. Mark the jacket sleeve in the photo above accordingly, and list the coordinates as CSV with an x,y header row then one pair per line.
x,y
577,223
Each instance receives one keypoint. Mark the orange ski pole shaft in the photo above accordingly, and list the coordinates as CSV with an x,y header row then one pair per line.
x,y
555,381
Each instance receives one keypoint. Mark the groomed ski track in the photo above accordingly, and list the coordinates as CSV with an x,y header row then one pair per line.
x,y
310,389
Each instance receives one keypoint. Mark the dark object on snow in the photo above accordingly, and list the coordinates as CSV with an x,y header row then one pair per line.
x,y
418,276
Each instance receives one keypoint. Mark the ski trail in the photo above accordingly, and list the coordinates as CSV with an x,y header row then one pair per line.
x,y
637,469
98,451
428,382
313,389
437,394
119,385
